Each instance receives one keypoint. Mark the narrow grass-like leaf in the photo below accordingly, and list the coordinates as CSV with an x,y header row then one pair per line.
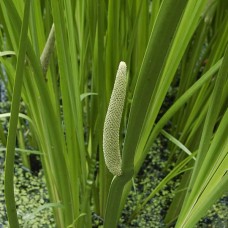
x,y
84,95
146,82
11,140
180,102
177,143
25,151
205,165
7,53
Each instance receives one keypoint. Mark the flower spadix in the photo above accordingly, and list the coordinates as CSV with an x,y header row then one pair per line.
x,y
112,122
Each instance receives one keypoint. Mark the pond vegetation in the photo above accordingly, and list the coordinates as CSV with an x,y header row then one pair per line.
x,y
75,151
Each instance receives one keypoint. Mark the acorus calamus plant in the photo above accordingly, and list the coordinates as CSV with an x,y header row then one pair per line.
x,y
167,45
111,147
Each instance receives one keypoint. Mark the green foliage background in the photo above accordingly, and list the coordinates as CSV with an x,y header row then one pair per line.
x,y
65,87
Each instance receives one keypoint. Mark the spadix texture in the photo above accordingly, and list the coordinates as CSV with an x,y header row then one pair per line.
x,y
111,145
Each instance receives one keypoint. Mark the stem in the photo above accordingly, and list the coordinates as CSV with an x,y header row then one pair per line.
x,y
114,199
